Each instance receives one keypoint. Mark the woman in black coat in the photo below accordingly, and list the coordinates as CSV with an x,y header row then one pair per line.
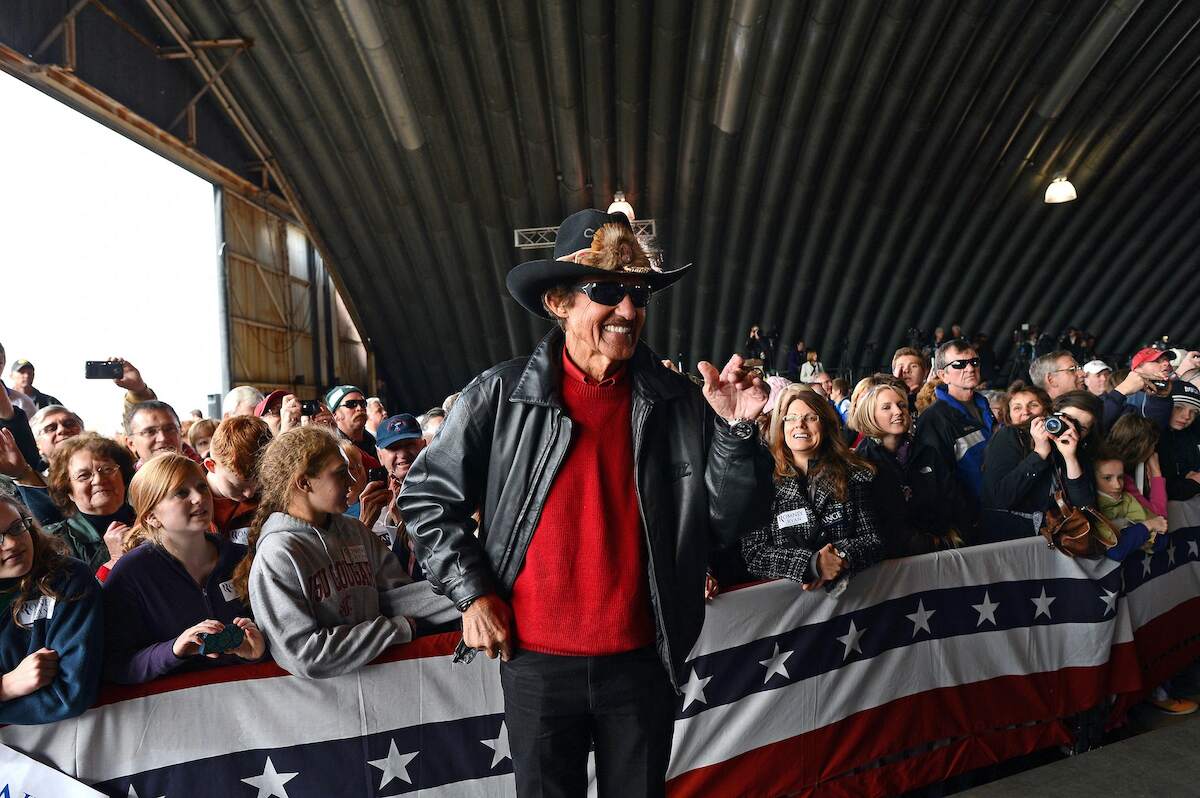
x,y
919,502
1020,463
822,525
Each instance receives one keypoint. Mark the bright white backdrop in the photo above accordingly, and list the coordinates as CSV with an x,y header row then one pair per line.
x,y
106,249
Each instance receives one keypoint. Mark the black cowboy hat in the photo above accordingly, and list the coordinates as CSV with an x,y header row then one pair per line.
x,y
529,280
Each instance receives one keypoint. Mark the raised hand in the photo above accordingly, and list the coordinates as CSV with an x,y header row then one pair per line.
x,y
131,380
12,462
734,392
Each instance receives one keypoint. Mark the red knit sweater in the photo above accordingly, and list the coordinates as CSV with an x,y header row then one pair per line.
x,y
583,589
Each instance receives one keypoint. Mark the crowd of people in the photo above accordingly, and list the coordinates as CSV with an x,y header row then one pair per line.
x,y
170,545
289,530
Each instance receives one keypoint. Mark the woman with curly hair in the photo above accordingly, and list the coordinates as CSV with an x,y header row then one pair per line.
x,y
88,480
51,628
328,595
823,524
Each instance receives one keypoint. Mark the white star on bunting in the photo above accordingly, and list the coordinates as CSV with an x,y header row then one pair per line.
x,y
499,745
1193,549
394,765
775,664
986,610
920,618
132,793
1146,558
694,690
1110,601
1171,555
271,782
1042,603
851,640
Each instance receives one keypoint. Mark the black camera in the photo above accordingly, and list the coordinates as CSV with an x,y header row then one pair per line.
x,y
1059,423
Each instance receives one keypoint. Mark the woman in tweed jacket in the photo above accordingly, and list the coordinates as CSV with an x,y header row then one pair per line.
x,y
823,525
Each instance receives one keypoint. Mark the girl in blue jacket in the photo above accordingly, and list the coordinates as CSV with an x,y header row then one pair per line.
x,y
50,624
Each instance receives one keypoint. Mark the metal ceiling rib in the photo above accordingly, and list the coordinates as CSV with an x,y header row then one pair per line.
x,y
839,170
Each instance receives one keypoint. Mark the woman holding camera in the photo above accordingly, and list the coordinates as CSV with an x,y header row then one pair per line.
x,y
167,599
1021,461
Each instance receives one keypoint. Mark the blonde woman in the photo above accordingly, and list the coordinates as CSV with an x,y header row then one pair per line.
x,y
919,499
329,596
823,525
173,588
50,624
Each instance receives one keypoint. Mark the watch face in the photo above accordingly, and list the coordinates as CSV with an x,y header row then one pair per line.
x,y
742,429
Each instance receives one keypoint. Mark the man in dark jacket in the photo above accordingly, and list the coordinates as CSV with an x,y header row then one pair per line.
x,y
959,424
22,380
601,480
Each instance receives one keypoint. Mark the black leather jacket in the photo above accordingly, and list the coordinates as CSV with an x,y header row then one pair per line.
x,y
499,450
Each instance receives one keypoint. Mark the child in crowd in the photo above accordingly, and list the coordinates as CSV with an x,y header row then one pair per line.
x,y
51,631
328,595
232,465
839,394
173,588
1138,528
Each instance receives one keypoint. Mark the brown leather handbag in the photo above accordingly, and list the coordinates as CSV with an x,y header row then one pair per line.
x,y
1076,531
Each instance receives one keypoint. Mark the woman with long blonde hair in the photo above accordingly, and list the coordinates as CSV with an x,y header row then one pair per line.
x,y
823,525
326,591
173,590
920,500
50,624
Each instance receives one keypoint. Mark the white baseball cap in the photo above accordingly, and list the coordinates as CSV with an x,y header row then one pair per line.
x,y
1095,367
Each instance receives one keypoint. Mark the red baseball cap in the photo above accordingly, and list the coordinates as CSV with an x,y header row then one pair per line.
x,y
273,398
1149,355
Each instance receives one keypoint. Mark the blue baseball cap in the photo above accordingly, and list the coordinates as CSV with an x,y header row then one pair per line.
x,y
402,427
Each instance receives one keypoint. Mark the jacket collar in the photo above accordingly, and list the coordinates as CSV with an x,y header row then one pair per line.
x,y
540,382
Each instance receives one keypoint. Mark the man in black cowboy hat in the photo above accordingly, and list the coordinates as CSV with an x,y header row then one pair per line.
x,y
602,479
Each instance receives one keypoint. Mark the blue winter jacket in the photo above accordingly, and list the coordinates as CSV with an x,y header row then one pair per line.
x,y
72,625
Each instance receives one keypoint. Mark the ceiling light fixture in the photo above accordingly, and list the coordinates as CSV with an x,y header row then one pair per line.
x,y
1060,190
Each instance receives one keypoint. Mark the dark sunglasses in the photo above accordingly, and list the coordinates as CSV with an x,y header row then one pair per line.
x,y
962,364
611,294
354,404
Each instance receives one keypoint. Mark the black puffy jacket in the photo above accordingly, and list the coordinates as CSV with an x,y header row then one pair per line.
x,y
501,446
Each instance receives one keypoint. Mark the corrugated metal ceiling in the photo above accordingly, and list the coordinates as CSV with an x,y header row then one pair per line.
x,y
841,170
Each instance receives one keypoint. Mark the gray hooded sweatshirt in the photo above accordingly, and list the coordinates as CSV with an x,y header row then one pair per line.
x,y
331,600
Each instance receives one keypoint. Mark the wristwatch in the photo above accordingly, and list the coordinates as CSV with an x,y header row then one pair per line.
x,y
466,603
742,428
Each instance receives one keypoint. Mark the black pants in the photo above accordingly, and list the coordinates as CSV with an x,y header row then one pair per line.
x,y
556,707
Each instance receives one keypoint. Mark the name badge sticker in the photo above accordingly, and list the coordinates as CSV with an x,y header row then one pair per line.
x,y
228,592
356,554
792,518
42,609
240,535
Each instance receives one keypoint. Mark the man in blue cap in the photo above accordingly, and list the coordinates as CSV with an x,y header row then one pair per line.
x,y
601,480
399,441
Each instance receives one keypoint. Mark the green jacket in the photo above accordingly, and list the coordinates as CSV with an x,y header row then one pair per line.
x,y
82,540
